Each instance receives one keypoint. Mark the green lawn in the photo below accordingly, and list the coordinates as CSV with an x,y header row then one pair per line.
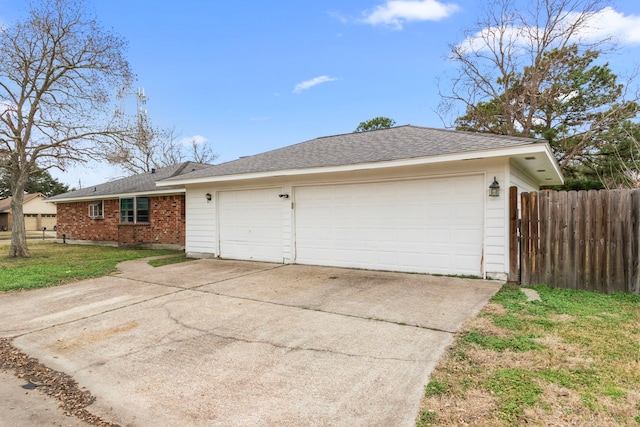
x,y
571,359
31,234
55,263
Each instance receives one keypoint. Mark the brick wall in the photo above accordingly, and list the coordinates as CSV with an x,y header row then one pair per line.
x,y
166,224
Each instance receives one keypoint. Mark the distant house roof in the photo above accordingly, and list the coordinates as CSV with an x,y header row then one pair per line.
x,y
135,184
5,204
385,145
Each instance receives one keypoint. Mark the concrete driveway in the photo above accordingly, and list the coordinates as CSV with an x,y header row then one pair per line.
x,y
231,343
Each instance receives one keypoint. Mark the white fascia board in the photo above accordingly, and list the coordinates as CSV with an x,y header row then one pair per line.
x,y
163,192
536,148
554,162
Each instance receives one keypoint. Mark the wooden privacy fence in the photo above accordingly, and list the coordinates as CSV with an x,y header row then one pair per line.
x,y
586,240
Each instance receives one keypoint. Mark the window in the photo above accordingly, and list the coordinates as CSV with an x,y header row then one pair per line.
x,y
96,210
126,210
142,209
134,210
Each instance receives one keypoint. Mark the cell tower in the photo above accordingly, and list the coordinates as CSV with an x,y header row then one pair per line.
x,y
123,94
142,117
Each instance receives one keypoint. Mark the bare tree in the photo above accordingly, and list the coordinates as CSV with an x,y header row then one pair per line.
x,y
506,39
531,71
148,147
58,68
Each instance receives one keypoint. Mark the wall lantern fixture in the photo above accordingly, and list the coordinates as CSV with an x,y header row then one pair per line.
x,y
494,188
208,196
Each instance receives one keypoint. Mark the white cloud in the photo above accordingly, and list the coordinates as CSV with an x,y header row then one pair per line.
x,y
607,23
198,139
313,82
6,106
495,37
338,16
395,13
626,29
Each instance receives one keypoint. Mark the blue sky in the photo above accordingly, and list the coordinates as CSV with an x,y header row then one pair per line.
x,y
250,76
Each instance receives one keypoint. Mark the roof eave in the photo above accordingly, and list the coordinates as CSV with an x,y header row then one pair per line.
x,y
529,149
162,192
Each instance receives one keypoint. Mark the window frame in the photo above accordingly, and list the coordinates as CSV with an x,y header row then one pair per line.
x,y
134,213
92,207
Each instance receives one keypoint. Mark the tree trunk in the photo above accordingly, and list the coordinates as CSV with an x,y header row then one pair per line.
x,y
18,246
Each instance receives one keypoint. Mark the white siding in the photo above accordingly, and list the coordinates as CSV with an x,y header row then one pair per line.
x,y
496,225
287,226
37,205
521,180
201,223
203,237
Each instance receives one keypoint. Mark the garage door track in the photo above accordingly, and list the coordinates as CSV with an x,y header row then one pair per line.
x,y
215,342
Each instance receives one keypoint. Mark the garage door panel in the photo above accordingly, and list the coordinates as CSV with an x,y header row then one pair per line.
x,y
251,224
427,225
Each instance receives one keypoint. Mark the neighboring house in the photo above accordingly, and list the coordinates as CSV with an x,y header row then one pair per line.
x,y
37,213
126,212
408,199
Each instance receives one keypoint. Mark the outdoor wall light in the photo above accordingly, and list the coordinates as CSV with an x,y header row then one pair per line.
x,y
208,196
283,196
494,188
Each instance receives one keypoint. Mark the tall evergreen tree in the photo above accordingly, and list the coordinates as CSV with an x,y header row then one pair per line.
x,y
40,181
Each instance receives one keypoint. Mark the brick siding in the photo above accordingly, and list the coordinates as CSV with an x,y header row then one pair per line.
x,y
166,224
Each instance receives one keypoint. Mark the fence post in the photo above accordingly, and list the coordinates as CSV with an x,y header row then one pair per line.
x,y
534,238
544,258
602,234
581,219
571,225
514,249
525,243
634,286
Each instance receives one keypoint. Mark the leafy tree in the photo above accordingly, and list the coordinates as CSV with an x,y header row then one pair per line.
x,y
530,72
617,162
40,181
375,124
58,68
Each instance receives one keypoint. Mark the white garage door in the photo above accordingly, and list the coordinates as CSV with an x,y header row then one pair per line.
x,y
427,225
250,224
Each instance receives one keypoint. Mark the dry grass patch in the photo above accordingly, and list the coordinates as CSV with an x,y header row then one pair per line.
x,y
571,359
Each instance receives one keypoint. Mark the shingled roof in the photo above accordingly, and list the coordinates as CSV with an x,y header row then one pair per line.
x,y
135,184
402,142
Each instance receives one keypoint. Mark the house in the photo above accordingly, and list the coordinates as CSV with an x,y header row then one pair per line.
x,y
407,198
130,211
37,213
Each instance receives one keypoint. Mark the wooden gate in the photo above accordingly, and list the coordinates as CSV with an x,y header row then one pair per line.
x,y
586,240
